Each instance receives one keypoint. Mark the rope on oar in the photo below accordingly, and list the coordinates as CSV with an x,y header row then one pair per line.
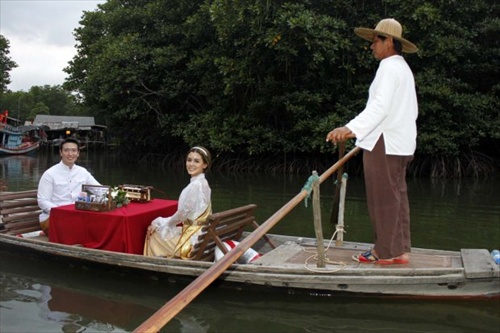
x,y
308,186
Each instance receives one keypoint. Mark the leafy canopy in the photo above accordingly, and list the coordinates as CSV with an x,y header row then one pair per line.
x,y
273,77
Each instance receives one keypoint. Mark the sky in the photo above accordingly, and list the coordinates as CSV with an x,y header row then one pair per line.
x,y
41,38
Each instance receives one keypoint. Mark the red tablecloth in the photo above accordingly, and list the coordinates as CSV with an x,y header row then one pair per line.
x,y
119,230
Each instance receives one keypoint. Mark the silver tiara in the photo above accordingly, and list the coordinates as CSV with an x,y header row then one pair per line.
x,y
203,150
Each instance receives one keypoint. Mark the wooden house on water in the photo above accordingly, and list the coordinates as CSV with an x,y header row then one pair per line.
x,y
81,128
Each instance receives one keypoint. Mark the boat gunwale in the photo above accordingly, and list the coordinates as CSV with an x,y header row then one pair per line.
x,y
140,261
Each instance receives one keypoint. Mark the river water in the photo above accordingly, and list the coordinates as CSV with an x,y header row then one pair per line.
x,y
44,295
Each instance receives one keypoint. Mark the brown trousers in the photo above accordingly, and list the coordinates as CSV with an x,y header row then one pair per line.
x,y
387,198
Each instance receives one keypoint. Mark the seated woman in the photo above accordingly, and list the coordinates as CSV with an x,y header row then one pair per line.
x,y
174,236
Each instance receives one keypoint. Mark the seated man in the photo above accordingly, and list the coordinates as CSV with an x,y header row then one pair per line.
x,y
61,183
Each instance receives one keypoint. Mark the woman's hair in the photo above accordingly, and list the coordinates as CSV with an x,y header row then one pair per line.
x,y
204,152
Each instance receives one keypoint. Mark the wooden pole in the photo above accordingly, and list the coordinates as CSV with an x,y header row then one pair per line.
x,y
318,228
161,317
336,196
340,225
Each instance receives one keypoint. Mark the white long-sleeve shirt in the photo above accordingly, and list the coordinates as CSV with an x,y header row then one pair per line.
x,y
60,186
391,110
193,202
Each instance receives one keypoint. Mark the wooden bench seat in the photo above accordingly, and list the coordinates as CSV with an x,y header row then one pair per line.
x,y
19,212
224,226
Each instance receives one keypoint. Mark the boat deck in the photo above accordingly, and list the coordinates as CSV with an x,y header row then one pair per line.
x,y
344,256
473,263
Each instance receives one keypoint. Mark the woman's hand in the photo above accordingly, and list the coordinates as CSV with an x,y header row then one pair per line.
x,y
151,229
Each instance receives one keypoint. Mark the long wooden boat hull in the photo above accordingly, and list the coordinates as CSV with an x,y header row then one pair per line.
x,y
469,273
23,149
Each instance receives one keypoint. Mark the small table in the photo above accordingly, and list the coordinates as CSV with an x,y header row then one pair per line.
x,y
120,230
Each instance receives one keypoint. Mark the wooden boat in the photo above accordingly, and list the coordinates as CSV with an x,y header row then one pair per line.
x,y
467,273
286,262
19,140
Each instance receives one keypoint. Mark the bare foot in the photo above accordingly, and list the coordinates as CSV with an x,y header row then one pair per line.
x,y
405,257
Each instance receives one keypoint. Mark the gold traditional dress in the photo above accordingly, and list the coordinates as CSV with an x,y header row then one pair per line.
x,y
174,236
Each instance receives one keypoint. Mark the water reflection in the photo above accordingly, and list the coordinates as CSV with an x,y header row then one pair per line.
x,y
69,299
34,299
16,171
56,309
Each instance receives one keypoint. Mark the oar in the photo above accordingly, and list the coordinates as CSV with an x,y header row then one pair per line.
x,y
183,298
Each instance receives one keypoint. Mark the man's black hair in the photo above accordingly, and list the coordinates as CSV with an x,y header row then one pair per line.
x,y
71,140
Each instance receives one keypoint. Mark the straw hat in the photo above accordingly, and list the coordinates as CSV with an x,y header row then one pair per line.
x,y
390,28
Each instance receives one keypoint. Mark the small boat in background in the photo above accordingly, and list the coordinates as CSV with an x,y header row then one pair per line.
x,y
19,140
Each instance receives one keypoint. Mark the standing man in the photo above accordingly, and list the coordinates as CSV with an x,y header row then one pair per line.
x,y
61,184
386,131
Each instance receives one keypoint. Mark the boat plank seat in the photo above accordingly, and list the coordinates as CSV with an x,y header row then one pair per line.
x,y
478,263
224,226
19,212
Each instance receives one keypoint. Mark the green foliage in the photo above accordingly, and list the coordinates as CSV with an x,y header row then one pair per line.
x,y
264,77
119,197
457,80
53,100
6,64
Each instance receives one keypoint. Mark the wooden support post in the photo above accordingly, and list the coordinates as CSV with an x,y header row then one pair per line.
x,y
335,204
340,225
317,222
